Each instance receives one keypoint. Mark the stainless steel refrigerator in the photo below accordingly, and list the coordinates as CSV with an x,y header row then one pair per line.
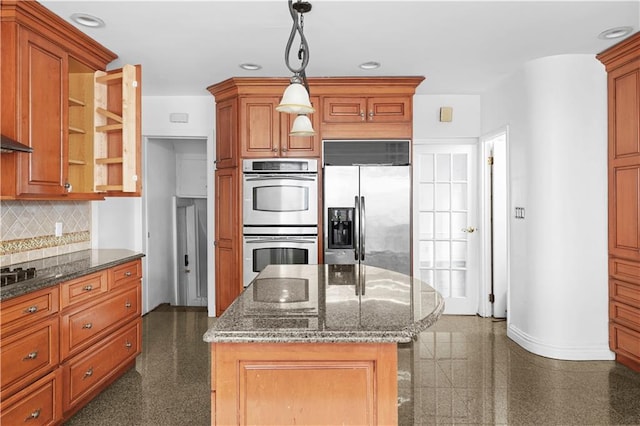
x,y
367,216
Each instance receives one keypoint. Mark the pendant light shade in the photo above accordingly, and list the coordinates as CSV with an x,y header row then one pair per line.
x,y
302,127
295,100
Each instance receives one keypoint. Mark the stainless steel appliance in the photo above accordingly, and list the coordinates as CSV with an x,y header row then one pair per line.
x,y
264,246
280,213
280,192
367,205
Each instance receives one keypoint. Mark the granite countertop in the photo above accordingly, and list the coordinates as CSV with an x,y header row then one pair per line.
x,y
328,304
56,269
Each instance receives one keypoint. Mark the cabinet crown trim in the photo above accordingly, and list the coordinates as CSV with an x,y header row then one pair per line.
x,y
319,86
625,51
37,18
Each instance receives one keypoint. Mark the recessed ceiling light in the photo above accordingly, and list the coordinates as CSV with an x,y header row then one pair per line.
x,y
250,67
371,65
87,20
617,32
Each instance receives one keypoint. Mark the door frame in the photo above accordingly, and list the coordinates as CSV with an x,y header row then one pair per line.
x,y
485,308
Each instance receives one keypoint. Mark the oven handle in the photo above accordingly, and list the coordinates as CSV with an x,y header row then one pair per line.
x,y
279,240
252,178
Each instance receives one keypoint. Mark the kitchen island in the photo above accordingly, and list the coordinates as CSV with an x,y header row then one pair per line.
x,y
316,344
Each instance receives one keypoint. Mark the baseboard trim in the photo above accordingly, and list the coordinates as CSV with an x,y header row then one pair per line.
x,y
569,353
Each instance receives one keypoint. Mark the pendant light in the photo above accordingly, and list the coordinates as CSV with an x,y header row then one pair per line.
x,y
295,99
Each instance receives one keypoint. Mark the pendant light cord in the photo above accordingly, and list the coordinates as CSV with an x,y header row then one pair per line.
x,y
303,51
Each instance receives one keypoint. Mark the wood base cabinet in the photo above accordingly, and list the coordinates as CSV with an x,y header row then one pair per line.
x,y
61,346
622,63
304,383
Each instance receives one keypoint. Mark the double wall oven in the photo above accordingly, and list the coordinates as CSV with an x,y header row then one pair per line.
x,y
280,213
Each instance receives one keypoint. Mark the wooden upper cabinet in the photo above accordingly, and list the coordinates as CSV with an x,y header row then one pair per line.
x,y
226,133
264,132
367,109
300,146
83,123
42,92
117,131
624,83
259,127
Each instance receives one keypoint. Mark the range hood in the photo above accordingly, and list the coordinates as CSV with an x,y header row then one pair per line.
x,y
11,145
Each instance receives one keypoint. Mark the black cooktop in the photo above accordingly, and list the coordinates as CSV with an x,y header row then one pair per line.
x,y
11,276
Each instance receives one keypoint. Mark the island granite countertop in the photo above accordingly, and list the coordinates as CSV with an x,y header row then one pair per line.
x,y
56,269
328,304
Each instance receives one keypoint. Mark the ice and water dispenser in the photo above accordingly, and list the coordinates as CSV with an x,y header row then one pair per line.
x,y
341,227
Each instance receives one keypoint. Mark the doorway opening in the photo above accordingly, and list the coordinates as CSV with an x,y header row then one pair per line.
x,y
191,250
495,218
176,191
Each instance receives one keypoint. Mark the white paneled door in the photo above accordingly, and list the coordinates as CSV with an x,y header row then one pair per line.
x,y
446,240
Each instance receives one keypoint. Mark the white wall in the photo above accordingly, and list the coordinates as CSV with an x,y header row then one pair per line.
x,y
117,223
555,108
161,176
426,116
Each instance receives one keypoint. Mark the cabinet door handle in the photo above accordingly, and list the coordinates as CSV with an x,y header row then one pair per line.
x,y
370,115
31,309
88,373
128,345
284,149
274,149
87,325
87,287
362,115
127,304
127,274
33,415
31,355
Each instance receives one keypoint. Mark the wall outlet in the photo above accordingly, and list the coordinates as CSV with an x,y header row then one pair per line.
x,y
58,230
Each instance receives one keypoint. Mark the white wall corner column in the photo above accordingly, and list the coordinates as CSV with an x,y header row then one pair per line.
x,y
556,110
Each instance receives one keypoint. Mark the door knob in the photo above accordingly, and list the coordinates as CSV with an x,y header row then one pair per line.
x,y
469,230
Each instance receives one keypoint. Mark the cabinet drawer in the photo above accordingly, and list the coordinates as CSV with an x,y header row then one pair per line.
x,y
625,315
624,292
82,326
82,289
16,313
625,270
90,369
624,341
38,404
120,275
28,354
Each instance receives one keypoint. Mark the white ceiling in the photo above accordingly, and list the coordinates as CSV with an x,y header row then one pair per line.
x,y
460,47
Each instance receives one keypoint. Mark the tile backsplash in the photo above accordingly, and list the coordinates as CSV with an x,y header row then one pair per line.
x,y
27,229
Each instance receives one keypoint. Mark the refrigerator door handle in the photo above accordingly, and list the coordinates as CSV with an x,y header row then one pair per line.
x,y
362,228
357,230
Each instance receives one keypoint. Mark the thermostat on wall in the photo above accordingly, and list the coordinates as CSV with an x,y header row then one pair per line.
x,y
446,114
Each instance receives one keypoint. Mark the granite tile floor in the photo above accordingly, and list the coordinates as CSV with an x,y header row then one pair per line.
x,y
464,370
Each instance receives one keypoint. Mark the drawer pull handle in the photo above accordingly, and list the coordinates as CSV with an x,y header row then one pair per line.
x,y
33,415
128,345
87,287
87,325
31,355
127,274
31,310
88,373
127,304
